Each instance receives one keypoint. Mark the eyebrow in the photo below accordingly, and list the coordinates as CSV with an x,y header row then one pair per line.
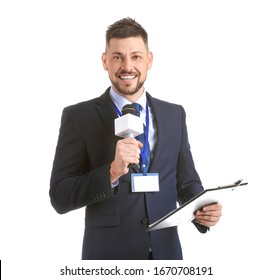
x,y
119,53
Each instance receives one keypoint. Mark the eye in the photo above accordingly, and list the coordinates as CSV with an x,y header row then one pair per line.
x,y
117,57
136,57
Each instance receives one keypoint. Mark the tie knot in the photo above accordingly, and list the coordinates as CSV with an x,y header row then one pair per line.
x,y
138,108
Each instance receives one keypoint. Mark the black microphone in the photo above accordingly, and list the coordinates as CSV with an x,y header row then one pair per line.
x,y
128,109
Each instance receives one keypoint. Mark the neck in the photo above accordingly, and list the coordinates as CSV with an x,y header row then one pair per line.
x,y
131,97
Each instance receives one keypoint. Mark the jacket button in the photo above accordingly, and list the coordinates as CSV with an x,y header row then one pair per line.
x,y
145,221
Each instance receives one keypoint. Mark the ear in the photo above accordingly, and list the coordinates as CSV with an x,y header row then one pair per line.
x,y
150,60
104,61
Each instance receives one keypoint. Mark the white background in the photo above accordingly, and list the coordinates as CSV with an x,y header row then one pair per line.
x,y
213,57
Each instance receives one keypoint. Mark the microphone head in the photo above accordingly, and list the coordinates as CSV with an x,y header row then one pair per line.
x,y
128,109
129,124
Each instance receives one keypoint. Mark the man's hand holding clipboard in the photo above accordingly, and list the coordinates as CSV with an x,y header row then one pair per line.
x,y
204,209
208,215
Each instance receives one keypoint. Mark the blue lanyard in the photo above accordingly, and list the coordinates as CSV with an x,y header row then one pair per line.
x,y
145,148
143,151
117,110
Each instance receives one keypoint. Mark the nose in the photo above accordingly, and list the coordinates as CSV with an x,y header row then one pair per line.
x,y
127,65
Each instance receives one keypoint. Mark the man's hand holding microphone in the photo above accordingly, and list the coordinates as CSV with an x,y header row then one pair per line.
x,y
127,152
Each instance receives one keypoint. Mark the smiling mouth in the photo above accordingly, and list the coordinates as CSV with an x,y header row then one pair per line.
x,y
127,77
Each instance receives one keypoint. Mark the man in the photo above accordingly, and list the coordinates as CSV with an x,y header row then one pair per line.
x,y
95,169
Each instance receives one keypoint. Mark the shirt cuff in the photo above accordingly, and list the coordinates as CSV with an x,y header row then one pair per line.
x,y
114,184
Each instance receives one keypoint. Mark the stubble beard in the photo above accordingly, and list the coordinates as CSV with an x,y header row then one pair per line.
x,y
127,91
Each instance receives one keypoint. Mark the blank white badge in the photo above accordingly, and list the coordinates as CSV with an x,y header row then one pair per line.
x,y
145,183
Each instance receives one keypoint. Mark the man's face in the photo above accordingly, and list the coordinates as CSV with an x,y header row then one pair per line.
x,y
127,62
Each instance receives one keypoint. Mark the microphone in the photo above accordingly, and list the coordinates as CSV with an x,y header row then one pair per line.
x,y
128,109
128,125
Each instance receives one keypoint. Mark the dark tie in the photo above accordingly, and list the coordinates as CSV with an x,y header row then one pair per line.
x,y
142,138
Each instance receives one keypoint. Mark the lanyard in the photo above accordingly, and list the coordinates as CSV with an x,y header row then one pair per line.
x,y
144,150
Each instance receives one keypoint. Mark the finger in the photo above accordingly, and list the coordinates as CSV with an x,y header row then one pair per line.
x,y
208,217
208,221
128,148
140,145
132,141
131,160
129,140
212,207
205,215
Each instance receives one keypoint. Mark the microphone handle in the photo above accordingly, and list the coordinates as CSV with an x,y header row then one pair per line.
x,y
129,135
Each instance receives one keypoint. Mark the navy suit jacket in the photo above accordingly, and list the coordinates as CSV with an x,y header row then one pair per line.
x,y
116,220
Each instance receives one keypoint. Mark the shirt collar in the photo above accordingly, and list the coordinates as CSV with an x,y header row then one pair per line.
x,y
121,101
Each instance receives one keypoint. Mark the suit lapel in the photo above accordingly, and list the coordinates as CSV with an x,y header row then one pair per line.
x,y
159,116
106,110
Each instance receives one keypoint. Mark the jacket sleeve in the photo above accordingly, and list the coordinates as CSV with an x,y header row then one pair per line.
x,y
188,180
73,183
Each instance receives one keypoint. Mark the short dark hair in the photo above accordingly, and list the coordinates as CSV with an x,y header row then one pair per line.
x,y
126,28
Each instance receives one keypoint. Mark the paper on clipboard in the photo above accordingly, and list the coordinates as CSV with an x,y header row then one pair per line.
x,y
185,213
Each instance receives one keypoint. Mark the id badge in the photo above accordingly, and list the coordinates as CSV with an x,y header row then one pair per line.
x,y
145,183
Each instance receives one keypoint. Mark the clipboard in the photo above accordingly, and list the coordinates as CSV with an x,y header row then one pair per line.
x,y
185,213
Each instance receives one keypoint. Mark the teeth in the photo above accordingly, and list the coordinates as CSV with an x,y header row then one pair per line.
x,y
127,77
